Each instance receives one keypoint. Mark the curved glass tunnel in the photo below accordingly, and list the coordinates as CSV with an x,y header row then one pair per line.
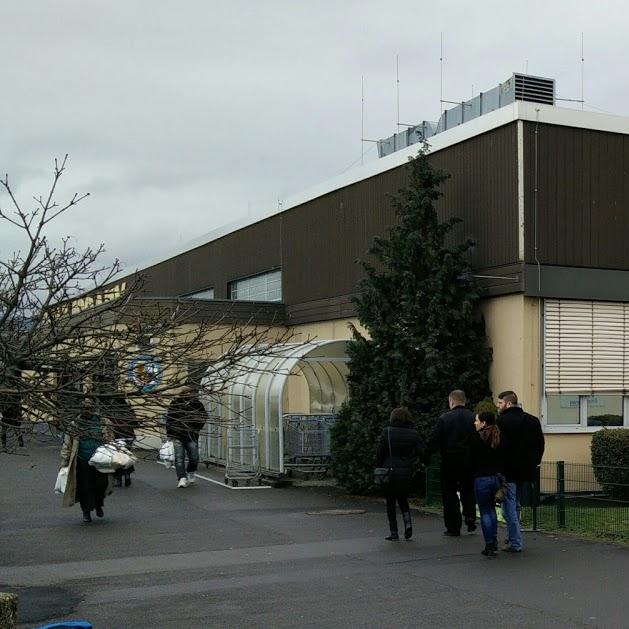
x,y
264,397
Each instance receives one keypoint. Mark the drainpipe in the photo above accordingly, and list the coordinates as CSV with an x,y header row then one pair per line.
x,y
540,321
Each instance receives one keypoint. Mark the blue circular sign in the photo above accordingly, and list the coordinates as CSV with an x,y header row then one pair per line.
x,y
145,372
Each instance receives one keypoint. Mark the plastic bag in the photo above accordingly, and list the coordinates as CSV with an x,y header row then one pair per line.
x,y
102,459
123,457
167,453
62,480
111,457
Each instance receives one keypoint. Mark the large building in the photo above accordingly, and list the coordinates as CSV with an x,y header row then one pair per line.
x,y
544,193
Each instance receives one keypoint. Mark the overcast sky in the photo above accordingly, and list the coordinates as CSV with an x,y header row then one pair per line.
x,y
180,117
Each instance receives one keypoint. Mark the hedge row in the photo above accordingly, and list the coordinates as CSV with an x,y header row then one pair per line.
x,y
610,457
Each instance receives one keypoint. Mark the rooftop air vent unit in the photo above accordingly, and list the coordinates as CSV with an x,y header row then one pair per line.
x,y
535,89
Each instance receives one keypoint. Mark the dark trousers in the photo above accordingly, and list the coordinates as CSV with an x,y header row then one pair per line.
x,y
91,486
455,477
124,472
15,428
402,500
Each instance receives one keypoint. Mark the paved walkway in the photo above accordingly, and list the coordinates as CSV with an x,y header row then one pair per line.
x,y
208,556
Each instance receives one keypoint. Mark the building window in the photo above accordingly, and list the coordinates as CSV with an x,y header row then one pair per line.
x,y
562,410
208,293
604,410
263,287
586,411
586,365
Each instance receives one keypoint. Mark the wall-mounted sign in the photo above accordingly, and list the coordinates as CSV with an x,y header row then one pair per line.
x,y
145,372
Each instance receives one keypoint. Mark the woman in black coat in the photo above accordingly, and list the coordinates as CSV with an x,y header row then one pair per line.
x,y
399,448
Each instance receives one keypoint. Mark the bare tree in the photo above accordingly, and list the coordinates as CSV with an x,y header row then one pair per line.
x,y
70,328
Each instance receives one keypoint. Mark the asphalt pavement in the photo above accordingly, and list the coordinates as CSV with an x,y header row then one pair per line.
x,y
302,557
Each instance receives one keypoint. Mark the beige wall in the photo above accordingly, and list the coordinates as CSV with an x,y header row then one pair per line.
x,y
568,447
512,325
326,330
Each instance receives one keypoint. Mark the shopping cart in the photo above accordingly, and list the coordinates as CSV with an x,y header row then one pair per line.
x,y
243,456
307,443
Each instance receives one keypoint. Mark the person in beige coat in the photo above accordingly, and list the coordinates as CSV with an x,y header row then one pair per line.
x,y
85,483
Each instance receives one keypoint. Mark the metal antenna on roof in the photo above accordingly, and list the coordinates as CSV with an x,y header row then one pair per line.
x,y
397,84
582,99
582,73
363,139
362,120
441,75
397,87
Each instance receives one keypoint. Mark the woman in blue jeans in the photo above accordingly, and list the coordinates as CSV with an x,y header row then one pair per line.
x,y
487,464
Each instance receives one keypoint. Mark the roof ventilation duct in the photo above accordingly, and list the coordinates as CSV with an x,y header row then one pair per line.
x,y
525,87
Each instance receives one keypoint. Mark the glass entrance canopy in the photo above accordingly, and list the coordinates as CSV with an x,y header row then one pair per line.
x,y
308,378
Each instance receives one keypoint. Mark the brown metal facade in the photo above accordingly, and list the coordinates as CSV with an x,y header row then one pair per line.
x,y
580,215
483,191
319,244
249,251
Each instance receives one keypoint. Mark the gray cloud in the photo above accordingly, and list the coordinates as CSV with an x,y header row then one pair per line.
x,y
180,118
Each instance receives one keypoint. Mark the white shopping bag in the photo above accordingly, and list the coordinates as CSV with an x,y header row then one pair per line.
x,y
62,480
167,453
123,457
112,456
102,459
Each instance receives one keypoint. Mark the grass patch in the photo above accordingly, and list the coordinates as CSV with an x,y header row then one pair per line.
x,y
584,516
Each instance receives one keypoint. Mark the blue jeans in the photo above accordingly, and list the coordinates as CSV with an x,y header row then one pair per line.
x,y
191,448
511,513
485,488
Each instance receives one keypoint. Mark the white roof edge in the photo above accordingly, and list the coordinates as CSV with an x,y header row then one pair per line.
x,y
573,118
519,110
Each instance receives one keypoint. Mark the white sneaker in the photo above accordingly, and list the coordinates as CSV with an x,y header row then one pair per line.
x,y
183,482
191,478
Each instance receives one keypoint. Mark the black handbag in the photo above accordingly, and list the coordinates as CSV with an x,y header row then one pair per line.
x,y
383,476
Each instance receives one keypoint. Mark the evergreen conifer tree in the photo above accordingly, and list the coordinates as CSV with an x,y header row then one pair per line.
x,y
419,305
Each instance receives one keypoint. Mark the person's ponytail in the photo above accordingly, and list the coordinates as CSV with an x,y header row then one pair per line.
x,y
490,434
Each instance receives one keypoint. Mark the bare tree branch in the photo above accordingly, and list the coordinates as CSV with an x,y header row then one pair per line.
x,y
69,330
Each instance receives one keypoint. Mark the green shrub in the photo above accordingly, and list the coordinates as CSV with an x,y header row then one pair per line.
x,y
486,404
610,457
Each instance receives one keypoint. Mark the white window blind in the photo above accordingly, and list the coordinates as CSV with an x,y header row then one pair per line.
x,y
586,346
263,287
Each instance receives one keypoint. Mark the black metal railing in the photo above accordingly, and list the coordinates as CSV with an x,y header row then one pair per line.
x,y
576,497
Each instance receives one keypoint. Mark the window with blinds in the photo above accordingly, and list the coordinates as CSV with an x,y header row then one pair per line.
x,y
586,346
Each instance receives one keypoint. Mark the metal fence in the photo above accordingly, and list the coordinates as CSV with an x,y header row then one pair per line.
x,y
575,497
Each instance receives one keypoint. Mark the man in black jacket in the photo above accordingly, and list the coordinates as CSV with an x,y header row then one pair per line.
x,y
523,446
450,436
184,421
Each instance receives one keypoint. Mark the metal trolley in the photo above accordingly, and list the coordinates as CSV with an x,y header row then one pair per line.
x,y
243,456
307,443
